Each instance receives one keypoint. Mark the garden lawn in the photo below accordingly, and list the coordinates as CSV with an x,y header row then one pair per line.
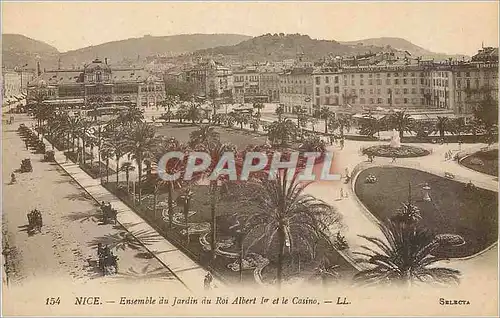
x,y
226,207
240,138
489,159
454,210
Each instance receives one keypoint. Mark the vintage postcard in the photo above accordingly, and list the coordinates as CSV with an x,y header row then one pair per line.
x,y
249,158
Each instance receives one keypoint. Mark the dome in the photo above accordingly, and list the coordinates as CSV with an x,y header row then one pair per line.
x,y
97,64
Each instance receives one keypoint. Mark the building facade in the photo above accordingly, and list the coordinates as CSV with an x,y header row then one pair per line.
x,y
98,85
15,83
296,89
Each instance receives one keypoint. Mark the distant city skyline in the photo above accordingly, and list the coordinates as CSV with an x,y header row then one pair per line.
x,y
446,27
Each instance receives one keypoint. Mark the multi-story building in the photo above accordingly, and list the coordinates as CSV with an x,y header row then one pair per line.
x,y
269,83
15,83
296,89
246,83
475,81
98,85
219,80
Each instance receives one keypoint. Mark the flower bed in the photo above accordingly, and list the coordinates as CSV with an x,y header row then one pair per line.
x,y
402,152
483,161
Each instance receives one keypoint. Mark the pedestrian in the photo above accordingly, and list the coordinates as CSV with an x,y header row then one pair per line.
x,y
341,193
342,144
346,194
346,172
393,159
26,144
446,156
371,158
208,281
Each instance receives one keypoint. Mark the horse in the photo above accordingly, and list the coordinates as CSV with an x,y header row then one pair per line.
x,y
108,263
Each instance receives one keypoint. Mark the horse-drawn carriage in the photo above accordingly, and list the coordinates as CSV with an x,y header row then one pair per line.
x,y
49,156
26,165
35,221
108,214
108,262
40,147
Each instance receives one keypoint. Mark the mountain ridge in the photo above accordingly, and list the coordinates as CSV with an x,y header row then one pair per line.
x,y
18,49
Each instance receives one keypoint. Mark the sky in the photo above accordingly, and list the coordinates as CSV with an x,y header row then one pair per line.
x,y
444,27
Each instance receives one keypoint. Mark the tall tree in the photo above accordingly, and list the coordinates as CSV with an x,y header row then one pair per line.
x,y
287,217
402,122
205,134
140,141
407,256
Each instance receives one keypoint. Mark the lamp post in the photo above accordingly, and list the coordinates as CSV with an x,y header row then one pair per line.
x,y
185,198
239,238
426,189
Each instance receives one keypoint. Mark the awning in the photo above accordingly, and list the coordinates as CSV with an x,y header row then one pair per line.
x,y
64,101
431,116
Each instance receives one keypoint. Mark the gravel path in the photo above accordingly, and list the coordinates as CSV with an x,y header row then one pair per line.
x,y
66,247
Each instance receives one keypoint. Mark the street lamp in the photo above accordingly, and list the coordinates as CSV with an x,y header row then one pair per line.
x,y
185,198
239,237
426,189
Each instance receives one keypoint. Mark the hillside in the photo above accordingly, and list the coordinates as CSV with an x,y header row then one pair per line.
x,y
135,49
279,47
401,44
18,50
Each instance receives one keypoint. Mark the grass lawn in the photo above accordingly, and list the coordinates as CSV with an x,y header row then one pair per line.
x,y
240,138
488,158
226,206
473,215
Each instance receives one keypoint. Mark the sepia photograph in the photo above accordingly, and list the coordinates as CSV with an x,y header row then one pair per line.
x,y
266,158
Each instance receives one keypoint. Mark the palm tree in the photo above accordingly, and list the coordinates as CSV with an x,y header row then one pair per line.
x,y
281,131
127,167
74,124
106,154
174,165
326,114
130,116
241,119
194,112
140,142
258,106
280,110
287,217
169,102
458,126
115,146
442,125
216,150
205,134
36,98
84,128
401,122
405,256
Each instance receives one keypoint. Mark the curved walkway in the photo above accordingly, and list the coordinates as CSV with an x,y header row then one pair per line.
x,y
359,221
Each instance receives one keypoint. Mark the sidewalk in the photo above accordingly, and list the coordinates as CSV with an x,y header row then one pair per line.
x,y
185,269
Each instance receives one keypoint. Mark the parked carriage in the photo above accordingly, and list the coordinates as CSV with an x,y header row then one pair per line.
x,y
49,156
26,165
108,214
108,262
35,221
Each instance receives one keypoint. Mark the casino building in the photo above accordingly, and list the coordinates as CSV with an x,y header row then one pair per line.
x,y
98,86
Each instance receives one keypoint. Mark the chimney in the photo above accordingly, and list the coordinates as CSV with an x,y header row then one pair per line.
x,y
106,60
38,68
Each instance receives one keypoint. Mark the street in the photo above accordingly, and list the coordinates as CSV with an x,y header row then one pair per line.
x,y
66,246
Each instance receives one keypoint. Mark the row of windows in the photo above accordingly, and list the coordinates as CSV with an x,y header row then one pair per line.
x,y
296,81
389,91
378,75
242,78
388,81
